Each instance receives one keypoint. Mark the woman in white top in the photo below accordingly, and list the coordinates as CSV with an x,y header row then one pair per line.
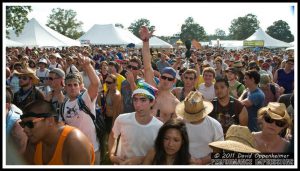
x,y
207,88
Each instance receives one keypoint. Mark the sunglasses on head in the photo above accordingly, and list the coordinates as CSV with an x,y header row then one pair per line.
x,y
30,124
167,78
269,120
132,67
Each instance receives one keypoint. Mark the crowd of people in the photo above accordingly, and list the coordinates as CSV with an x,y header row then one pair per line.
x,y
160,107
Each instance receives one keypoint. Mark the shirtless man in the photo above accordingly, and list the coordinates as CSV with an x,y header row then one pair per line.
x,y
51,143
166,102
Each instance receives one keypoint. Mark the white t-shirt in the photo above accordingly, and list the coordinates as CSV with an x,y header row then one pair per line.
x,y
42,74
207,92
79,119
210,63
73,68
136,139
55,65
200,135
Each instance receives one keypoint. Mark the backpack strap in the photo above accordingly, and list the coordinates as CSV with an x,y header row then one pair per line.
x,y
84,108
61,110
118,141
237,88
231,107
215,103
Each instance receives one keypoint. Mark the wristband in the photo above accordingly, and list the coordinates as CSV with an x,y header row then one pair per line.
x,y
145,40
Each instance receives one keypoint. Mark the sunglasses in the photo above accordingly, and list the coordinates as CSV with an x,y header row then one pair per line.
x,y
269,120
109,82
190,78
132,67
167,78
30,124
51,79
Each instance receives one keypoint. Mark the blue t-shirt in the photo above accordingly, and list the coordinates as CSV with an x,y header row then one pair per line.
x,y
257,97
286,80
120,55
11,119
126,93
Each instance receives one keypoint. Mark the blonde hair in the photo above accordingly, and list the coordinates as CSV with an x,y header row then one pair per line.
x,y
209,69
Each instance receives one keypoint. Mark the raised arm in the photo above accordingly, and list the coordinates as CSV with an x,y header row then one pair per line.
x,y
85,62
149,73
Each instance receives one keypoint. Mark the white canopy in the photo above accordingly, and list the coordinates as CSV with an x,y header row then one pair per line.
x,y
290,48
228,44
11,43
156,42
109,35
36,35
269,41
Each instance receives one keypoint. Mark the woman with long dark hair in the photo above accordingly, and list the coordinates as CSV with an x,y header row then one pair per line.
x,y
171,145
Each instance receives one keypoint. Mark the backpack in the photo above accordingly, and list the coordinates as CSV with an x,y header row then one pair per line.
x,y
99,120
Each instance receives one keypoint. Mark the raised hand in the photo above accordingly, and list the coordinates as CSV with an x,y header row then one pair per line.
x,y
83,60
129,77
145,34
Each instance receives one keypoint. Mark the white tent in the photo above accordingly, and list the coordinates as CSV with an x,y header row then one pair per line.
x,y
290,48
36,35
269,41
108,35
156,42
228,44
11,43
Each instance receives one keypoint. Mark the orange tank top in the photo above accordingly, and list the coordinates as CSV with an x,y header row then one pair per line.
x,y
57,156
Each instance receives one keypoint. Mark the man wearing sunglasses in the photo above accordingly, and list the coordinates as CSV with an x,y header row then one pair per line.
x,y
56,80
189,81
51,143
28,92
166,101
129,85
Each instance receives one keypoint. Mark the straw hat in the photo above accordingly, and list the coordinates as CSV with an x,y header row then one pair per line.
x,y
193,108
238,139
277,111
30,73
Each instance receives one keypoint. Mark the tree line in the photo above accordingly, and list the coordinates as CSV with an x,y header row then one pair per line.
x,y
64,21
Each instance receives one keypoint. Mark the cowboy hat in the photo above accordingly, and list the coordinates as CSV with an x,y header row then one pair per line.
x,y
238,139
276,111
30,73
193,108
